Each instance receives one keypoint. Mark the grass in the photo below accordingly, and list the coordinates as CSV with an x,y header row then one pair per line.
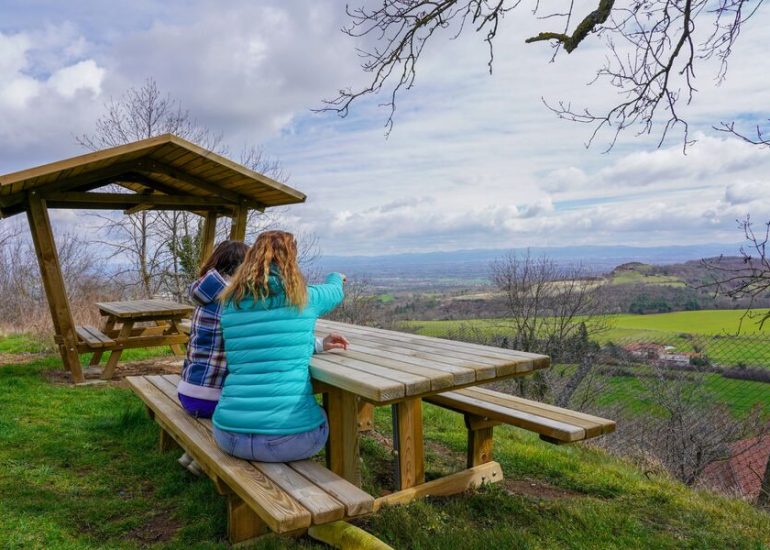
x,y
79,469
634,277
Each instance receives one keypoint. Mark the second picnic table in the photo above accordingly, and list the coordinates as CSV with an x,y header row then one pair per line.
x,y
120,332
382,367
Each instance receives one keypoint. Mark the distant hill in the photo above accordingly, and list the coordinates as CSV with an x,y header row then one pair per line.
x,y
474,264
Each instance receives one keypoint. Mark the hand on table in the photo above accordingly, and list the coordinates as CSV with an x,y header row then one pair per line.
x,y
335,341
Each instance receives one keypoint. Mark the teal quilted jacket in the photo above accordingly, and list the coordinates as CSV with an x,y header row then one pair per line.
x,y
268,347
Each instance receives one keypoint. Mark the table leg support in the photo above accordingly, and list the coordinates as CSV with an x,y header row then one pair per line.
x,y
112,362
342,450
408,443
479,440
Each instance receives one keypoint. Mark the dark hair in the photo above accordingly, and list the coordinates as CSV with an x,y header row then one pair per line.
x,y
226,258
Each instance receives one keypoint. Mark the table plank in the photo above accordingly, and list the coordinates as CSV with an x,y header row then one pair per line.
x,y
413,382
144,308
369,386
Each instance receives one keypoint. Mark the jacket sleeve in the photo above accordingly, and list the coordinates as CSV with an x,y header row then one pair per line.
x,y
206,289
324,298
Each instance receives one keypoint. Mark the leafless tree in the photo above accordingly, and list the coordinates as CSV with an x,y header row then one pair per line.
x,y
359,306
652,46
748,280
555,310
688,428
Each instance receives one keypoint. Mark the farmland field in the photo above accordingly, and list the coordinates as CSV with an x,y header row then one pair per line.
x,y
713,332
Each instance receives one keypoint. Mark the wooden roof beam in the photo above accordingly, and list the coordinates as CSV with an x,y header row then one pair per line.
x,y
156,166
115,201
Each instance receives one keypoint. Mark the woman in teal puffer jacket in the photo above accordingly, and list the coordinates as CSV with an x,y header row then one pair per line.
x,y
267,411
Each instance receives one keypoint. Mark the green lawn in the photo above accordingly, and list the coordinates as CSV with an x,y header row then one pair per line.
x,y
79,468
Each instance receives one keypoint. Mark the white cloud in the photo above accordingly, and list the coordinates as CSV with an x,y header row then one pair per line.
x,y
83,76
473,161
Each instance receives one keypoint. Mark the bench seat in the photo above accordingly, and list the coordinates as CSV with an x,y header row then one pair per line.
x,y
284,497
484,408
93,337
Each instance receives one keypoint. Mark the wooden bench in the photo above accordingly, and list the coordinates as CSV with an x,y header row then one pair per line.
x,y
282,497
483,409
93,337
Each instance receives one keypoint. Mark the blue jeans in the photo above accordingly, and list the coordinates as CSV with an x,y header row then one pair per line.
x,y
273,448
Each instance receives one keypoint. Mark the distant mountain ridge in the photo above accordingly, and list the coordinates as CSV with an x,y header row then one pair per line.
x,y
475,263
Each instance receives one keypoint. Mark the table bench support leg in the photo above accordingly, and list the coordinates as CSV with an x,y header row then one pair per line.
x,y
479,440
243,525
112,361
408,443
166,442
365,416
342,452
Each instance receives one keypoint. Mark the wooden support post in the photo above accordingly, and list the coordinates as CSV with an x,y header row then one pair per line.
x,y
208,235
53,283
166,442
97,356
342,452
365,416
243,524
238,229
112,362
408,443
479,440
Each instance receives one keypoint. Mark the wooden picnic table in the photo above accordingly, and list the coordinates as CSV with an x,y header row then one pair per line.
x,y
382,367
163,326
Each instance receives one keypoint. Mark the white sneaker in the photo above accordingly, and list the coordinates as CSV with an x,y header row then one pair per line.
x,y
185,460
194,468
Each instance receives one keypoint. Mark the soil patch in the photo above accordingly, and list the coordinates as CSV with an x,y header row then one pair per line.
x,y
170,365
158,528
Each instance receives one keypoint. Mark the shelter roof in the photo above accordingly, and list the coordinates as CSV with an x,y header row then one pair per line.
x,y
160,173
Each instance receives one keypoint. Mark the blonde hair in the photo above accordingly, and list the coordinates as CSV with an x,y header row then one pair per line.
x,y
272,248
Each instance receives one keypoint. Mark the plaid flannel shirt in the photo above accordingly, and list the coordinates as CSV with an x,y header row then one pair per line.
x,y
205,367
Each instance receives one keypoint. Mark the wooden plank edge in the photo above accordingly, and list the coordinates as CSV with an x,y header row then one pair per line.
x,y
459,482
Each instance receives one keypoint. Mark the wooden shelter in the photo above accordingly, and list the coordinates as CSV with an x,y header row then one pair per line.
x,y
159,173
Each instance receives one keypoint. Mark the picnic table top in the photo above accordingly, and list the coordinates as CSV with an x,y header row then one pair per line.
x,y
384,366
138,309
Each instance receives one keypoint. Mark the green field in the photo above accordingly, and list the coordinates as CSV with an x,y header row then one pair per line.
x,y
713,332
634,277
710,332
80,469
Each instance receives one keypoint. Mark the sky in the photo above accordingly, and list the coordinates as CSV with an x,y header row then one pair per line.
x,y
473,161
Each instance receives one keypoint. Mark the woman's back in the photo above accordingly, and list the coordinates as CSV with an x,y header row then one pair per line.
x,y
268,344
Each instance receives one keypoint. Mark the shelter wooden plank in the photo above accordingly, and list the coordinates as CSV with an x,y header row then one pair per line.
x,y
238,228
208,234
53,283
102,167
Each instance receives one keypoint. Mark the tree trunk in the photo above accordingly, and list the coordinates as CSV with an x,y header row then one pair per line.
x,y
764,492
575,380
